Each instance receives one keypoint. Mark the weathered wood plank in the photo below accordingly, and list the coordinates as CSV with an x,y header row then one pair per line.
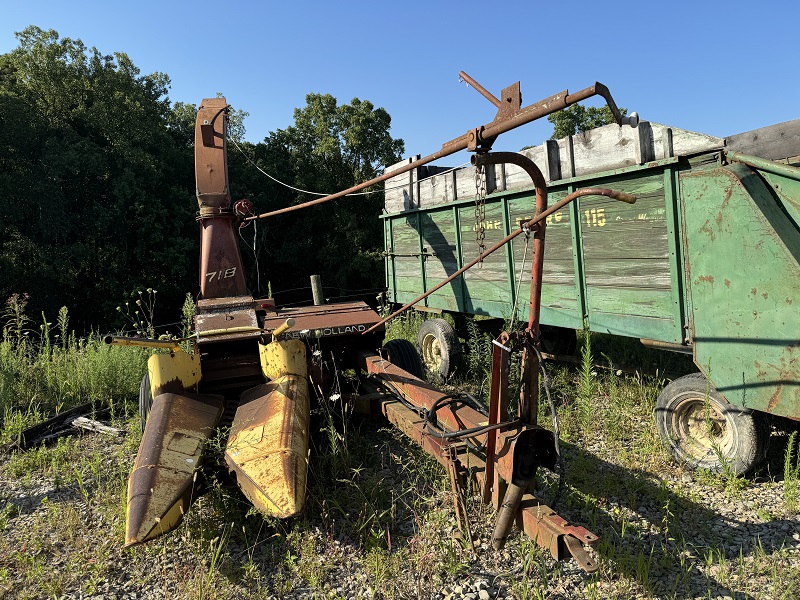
x,y
57,426
409,284
775,142
601,149
438,189
630,301
517,177
96,426
635,273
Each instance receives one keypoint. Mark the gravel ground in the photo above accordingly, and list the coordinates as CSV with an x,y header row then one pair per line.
x,y
669,535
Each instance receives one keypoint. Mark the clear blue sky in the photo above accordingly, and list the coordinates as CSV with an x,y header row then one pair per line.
x,y
718,68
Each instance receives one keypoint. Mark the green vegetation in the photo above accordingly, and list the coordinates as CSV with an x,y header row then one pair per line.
x,y
378,510
46,369
578,118
97,186
791,474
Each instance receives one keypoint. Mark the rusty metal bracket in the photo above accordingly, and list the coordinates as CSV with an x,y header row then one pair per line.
x,y
454,469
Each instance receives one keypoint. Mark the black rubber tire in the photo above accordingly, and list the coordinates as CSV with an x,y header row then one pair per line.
x,y
438,348
559,340
703,430
401,353
145,400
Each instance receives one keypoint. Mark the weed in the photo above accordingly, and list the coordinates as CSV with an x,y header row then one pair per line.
x,y
59,371
16,326
478,359
764,514
791,474
587,384
405,326
216,549
141,316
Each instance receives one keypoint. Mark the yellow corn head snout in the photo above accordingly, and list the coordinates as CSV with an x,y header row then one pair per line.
x,y
268,445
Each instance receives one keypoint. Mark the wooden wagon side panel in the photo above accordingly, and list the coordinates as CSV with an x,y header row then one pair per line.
x,y
626,258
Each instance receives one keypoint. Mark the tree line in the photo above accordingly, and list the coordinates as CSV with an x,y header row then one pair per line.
x,y
97,186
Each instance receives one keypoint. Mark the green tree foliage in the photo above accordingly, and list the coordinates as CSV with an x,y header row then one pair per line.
x,y
97,186
95,179
330,147
577,119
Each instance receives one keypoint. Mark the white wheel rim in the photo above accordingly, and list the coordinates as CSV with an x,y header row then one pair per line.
x,y
431,353
703,432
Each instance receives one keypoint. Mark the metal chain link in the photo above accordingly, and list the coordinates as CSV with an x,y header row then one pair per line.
x,y
480,210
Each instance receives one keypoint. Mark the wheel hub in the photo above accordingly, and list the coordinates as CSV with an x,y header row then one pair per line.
x,y
702,429
431,353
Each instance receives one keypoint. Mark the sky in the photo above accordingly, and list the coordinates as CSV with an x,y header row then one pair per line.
x,y
716,68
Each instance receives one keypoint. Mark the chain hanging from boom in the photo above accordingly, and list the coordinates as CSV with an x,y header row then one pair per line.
x,y
480,211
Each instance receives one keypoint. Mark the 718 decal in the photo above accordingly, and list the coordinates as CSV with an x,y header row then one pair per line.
x,y
222,274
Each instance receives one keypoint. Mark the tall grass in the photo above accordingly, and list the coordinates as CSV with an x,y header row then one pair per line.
x,y
404,327
48,368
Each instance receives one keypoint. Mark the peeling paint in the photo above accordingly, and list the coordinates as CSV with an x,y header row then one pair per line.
x,y
706,228
775,398
724,205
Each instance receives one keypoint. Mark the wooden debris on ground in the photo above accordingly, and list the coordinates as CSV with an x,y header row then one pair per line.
x,y
68,422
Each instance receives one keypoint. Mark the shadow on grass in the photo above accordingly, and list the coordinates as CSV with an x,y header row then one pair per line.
x,y
663,535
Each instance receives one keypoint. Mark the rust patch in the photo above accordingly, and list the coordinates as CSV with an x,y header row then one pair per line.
x,y
754,291
708,278
773,401
161,484
173,386
765,295
724,205
706,228
727,282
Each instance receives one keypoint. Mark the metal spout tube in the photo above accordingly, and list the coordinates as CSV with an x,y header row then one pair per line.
x,y
507,514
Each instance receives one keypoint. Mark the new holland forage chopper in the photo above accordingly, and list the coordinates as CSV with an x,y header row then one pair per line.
x,y
249,370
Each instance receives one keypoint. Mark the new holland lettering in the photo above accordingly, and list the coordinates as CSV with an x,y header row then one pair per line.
x,y
326,332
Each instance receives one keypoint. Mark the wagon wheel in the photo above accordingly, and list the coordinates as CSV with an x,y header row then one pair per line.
x,y
558,340
145,400
439,348
401,353
703,430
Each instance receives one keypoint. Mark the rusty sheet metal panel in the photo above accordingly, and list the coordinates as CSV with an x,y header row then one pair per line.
x,y
327,320
162,484
742,253
221,272
222,319
175,372
268,445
